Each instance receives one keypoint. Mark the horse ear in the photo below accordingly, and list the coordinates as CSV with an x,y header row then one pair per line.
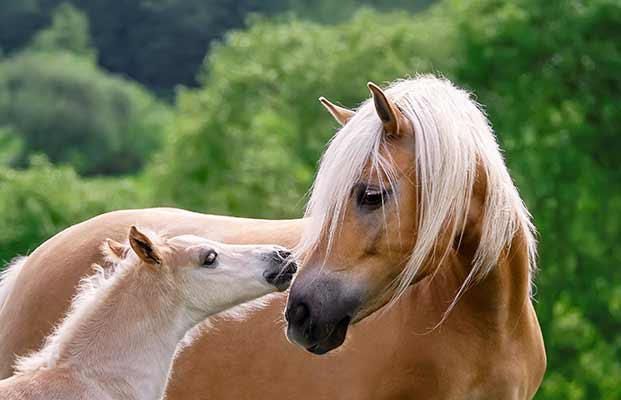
x,y
341,114
392,118
143,246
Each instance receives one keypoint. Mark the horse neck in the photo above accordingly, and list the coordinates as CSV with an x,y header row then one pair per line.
x,y
127,342
500,297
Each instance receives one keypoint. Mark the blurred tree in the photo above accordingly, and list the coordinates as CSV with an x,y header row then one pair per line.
x,y
37,203
549,75
158,43
20,20
329,11
66,107
162,43
69,32
10,146
248,141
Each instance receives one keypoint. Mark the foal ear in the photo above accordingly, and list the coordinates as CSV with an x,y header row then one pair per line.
x,y
143,246
341,114
115,250
392,118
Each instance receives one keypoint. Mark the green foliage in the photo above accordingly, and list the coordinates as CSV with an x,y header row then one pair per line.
x,y
66,107
10,147
19,21
248,141
330,11
158,43
161,43
38,202
69,32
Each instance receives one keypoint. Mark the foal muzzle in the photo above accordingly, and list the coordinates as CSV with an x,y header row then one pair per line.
x,y
280,270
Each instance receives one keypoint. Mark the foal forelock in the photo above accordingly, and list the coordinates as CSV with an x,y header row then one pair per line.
x,y
452,136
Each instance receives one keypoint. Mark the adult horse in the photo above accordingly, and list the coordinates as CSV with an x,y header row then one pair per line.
x,y
412,206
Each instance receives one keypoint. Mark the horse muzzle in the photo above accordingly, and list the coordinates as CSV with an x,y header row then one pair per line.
x,y
319,313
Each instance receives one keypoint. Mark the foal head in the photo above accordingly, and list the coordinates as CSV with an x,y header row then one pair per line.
x,y
207,276
407,176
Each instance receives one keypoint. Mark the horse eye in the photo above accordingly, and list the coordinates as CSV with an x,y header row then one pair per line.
x,y
210,259
371,198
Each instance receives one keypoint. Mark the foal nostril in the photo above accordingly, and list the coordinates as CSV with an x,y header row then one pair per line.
x,y
280,269
282,255
291,267
285,260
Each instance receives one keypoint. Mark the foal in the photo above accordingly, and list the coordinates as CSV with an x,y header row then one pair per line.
x,y
119,338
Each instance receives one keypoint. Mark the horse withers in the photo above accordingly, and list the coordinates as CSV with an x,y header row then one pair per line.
x,y
121,333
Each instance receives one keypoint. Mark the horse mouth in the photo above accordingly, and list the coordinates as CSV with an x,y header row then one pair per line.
x,y
335,339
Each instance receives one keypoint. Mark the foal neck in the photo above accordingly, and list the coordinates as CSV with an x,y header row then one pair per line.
x,y
124,339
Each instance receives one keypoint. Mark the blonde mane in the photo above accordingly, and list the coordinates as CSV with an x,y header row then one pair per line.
x,y
453,136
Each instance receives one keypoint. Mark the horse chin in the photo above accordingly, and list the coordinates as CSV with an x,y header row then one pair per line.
x,y
371,307
334,340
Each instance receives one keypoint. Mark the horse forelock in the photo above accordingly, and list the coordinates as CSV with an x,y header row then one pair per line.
x,y
452,138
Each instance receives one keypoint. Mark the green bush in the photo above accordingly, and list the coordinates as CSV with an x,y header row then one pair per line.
x,y
549,75
248,141
37,203
161,44
69,32
64,106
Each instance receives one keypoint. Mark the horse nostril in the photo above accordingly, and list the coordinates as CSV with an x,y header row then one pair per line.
x,y
298,315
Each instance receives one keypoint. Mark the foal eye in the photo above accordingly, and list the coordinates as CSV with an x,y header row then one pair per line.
x,y
210,259
371,198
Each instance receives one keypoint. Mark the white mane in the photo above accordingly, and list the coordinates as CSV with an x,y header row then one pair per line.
x,y
452,135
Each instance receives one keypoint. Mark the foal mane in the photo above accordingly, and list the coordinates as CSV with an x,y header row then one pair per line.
x,y
89,295
452,138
